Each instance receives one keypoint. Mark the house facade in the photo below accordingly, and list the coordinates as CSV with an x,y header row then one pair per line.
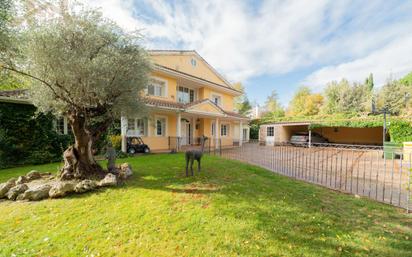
x,y
186,98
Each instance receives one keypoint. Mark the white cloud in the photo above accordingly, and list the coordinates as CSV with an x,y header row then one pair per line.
x,y
275,37
391,61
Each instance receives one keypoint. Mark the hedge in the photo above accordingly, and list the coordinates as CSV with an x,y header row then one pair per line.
x,y
28,137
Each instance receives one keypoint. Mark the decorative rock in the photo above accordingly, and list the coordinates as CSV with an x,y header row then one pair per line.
x,y
109,180
33,175
61,189
85,185
21,180
5,187
125,170
37,193
16,190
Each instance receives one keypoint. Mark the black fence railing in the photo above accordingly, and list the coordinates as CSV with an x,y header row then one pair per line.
x,y
376,173
181,144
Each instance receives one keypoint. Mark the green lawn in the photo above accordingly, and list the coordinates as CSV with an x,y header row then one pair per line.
x,y
230,209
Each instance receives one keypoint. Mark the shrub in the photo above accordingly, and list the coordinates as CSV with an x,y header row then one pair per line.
x,y
28,137
400,131
116,141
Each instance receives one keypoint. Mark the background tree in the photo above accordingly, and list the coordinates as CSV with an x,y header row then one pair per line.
x,y
241,103
406,80
369,82
8,50
342,97
395,96
272,107
304,103
86,68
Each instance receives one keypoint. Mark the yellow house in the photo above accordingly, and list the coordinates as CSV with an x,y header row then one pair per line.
x,y
187,98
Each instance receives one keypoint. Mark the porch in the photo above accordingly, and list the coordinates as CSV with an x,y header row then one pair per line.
x,y
179,131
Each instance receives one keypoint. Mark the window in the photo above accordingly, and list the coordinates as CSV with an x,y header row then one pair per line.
x,y
270,131
157,87
217,99
140,126
136,127
130,124
185,95
160,127
60,124
245,132
193,62
224,130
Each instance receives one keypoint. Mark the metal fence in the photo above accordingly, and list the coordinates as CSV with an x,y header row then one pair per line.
x,y
365,171
180,144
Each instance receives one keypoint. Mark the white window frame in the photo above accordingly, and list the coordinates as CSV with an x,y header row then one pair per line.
x,y
227,130
65,125
157,117
213,129
213,96
133,123
189,89
166,87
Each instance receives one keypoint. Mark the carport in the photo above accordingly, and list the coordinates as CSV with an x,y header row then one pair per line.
x,y
281,132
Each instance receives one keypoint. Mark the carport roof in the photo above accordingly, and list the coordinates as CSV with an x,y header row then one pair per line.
x,y
350,123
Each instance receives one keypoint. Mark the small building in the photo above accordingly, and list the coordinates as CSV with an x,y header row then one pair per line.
x,y
281,132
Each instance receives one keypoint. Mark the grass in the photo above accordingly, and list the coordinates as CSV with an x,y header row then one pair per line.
x,y
230,209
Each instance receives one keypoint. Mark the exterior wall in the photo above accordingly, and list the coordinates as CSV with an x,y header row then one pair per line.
x,y
158,143
171,87
282,134
183,63
352,135
227,100
203,92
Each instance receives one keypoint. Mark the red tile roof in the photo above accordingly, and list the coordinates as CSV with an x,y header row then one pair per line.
x,y
175,105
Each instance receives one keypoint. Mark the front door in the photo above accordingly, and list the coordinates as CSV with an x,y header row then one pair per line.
x,y
186,132
270,135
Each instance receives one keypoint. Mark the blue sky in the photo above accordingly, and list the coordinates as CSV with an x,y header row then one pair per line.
x,y
278,45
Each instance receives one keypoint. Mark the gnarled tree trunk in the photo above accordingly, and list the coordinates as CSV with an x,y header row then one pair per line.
x,y
79,162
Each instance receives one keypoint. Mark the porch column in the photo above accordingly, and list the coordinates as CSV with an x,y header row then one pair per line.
x,y
178,129
123,132
310,138
193,126
217,133
240,133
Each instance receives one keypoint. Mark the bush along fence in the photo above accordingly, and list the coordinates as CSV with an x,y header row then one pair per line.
x,y
370,171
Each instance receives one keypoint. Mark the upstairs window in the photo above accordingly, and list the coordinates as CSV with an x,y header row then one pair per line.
x,y
270,131
185,95
157,87
217,99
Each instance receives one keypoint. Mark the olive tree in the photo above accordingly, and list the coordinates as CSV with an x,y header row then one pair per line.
x,y
86,68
